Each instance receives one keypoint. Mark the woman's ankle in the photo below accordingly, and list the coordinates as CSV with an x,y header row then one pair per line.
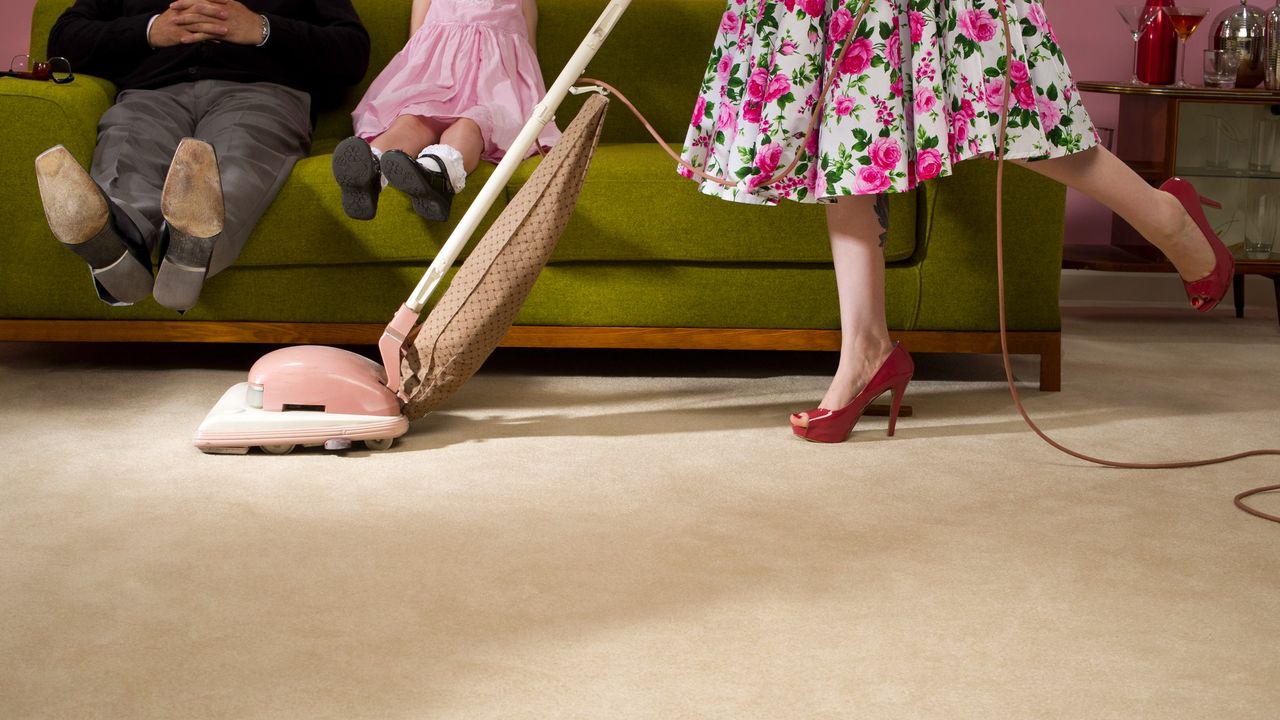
x,y
1181,240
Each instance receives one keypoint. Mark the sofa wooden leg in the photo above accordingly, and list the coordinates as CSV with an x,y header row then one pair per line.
x,y
1051,366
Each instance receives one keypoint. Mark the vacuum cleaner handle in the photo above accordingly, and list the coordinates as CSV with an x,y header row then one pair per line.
x,y
397,332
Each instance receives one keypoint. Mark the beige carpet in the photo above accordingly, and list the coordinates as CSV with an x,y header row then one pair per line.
x,y
628,535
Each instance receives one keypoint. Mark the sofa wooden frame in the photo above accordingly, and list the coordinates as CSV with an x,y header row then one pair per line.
x,y
1047,345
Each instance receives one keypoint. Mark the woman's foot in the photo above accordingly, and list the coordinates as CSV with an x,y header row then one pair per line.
x,y
1205,287
834,425
1181,240
856,369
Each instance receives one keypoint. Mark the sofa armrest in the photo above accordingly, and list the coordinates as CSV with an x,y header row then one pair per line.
x,y
35,116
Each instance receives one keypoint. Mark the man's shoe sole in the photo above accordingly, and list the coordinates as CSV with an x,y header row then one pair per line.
x,y
79,216
193,209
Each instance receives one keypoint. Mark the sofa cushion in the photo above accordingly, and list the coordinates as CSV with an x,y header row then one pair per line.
x,y
625,214
573,294
635,207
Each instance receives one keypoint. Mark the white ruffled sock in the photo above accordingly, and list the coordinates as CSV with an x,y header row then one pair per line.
x,y
453,164
377,155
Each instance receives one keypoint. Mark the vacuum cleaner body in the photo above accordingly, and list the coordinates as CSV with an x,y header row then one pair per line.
x,y
308,395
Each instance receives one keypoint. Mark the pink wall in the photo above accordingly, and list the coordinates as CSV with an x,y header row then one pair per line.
x,y
1093,37
1098,47
15,28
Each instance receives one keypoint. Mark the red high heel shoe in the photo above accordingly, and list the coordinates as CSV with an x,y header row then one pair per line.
x,y
1208,291
834,426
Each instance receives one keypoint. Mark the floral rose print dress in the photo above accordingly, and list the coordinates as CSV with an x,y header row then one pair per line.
x,y
919,90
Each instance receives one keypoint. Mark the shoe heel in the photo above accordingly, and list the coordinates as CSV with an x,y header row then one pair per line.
x,y
183,270
899,391
1210,202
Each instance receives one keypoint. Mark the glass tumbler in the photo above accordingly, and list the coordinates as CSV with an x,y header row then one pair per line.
x,y
1262,153
1220,68
1261,224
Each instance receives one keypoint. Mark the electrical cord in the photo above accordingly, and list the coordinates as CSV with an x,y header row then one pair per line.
x,y
1004,334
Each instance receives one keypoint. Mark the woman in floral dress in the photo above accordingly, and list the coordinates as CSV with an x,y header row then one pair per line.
x,y
916,87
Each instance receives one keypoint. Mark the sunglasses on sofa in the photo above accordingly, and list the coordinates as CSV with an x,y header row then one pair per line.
x,y
57,69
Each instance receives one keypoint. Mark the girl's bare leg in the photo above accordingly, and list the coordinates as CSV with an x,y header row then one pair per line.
x,y
1157,215
408,134
465,136
855,232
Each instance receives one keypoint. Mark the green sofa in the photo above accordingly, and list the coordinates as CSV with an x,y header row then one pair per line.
x,y
646,262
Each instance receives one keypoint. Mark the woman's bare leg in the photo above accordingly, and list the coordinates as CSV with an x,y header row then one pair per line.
x,y
1157,215
408,134
855,232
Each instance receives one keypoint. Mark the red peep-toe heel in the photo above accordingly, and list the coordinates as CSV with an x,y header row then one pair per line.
x,y
1208,291
834,426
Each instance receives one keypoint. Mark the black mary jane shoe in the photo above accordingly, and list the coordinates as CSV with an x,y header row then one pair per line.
x,y
357,172
429,191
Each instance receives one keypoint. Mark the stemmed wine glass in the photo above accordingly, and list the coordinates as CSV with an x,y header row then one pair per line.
x,y
1185,21
1138,18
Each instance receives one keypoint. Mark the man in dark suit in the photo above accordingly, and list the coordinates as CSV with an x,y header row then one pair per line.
x,y
215,108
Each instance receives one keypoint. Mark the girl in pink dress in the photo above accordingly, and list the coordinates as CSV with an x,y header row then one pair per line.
x,y
460,91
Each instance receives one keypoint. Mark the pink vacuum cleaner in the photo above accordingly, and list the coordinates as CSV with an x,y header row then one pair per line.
x,y
314,395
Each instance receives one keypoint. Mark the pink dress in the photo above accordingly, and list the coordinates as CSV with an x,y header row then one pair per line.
x,y
470,59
